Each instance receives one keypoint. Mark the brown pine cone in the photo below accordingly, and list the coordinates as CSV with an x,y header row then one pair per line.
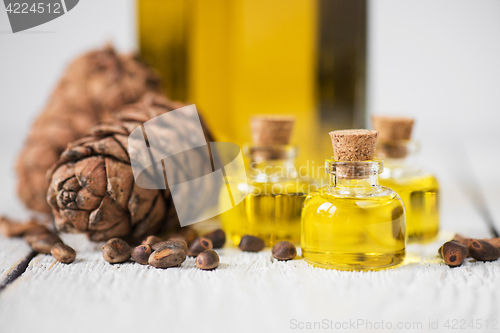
x,y
91,89
92,188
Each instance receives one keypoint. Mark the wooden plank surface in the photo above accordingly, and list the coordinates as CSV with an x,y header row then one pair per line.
x,y
248,293
459,213
253,292
482,154
15,255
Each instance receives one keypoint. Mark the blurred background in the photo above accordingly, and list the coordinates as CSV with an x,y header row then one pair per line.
x,y
331,63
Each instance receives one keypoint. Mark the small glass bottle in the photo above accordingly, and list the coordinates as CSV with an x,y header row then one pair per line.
x,y
354,223
418,189
271,210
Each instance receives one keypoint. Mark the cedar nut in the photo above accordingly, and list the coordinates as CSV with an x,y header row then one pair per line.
x,y
63,253
116,250
43,243
218,238
207,260
141,253
453,253
151,240
169,254
482,250
199,245
284,251
173,243
251,244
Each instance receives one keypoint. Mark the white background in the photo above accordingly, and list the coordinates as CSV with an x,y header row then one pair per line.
x,y
438,61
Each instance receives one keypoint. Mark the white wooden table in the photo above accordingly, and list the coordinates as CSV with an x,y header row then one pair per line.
x,y
251,292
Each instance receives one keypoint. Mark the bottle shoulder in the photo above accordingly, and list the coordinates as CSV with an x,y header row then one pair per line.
x,y
321,200
280,186
378,194
421,180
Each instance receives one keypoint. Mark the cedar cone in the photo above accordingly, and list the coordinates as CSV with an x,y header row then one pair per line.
x,y
92,188
91,89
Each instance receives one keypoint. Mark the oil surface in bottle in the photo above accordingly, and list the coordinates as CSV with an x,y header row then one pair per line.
x,y
353,233
270,211
420,195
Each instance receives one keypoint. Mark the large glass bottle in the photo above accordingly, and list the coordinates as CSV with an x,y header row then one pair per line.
x,y
233,58
418,189
354,223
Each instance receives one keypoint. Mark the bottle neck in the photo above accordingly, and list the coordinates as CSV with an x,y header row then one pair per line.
x,y
272,168
272,163
354,178
354,186
401,167
400,158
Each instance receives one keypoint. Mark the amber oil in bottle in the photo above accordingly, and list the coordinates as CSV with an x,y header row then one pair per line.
x,y
418,189
271,210
354,223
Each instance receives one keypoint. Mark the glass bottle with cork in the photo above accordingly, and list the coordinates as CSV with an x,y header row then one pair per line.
x,y
418,189
354,223
276,192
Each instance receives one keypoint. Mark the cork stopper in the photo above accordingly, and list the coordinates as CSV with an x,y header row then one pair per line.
x,y
271,130
394,132
353,146
393,128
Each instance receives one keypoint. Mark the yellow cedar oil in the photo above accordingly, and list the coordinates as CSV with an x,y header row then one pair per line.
x,y
418,190
349,231
270,211
354,223
420,195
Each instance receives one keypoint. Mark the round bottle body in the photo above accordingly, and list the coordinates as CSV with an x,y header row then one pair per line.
x,y
420,194
270,211
353,232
